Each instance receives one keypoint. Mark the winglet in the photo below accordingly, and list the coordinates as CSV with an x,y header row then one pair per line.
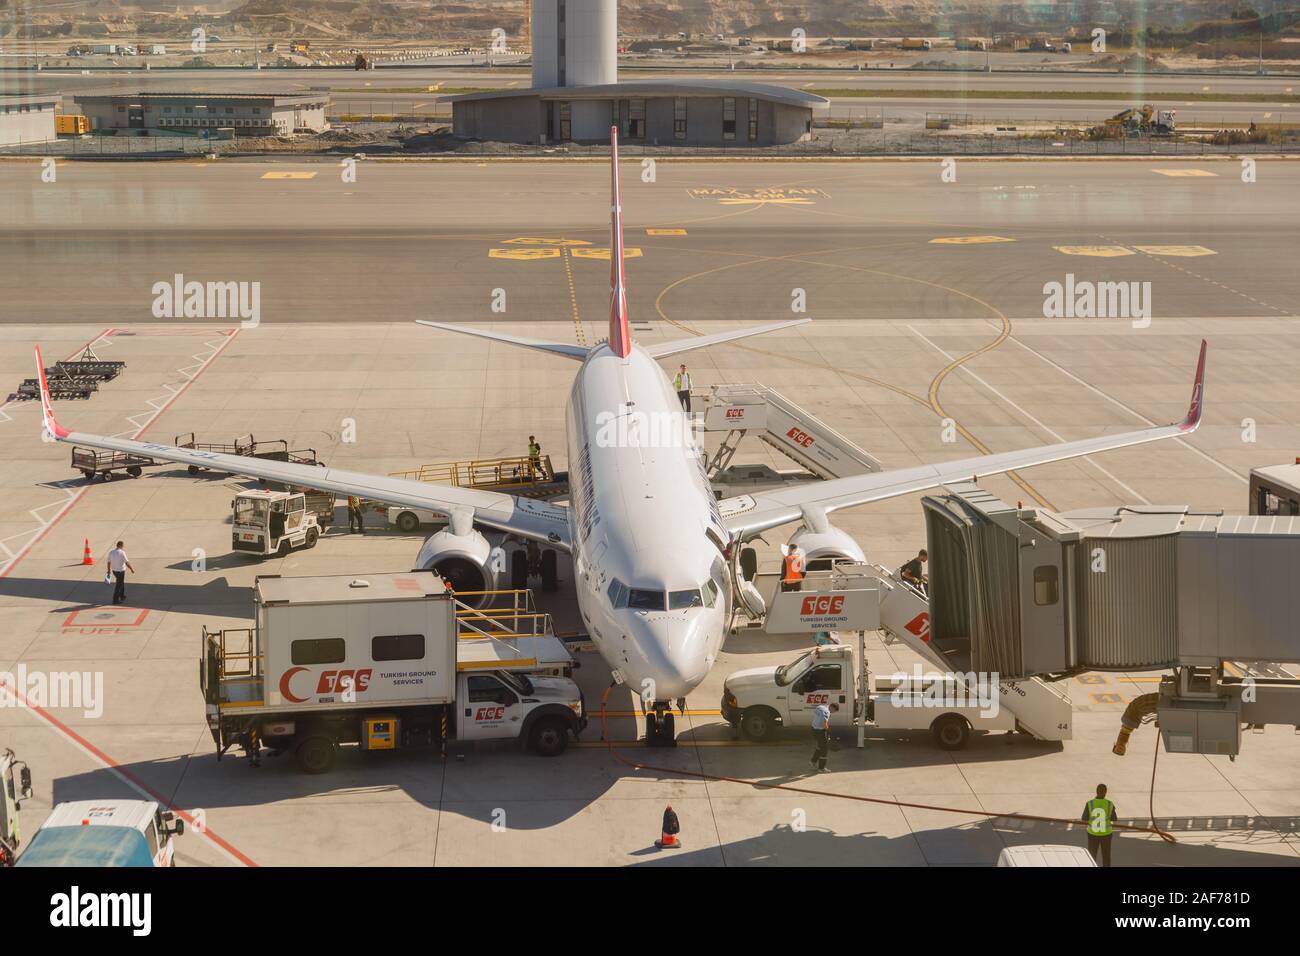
x,y
1193,419
54,429
620,334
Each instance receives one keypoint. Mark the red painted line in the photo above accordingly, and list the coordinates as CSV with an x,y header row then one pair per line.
x,y
230,337
131,778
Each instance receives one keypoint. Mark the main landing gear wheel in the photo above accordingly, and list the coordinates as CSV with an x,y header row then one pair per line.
x,y
550,572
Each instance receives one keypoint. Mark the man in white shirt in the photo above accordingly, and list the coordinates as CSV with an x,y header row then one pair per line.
x,y
119,565
821,728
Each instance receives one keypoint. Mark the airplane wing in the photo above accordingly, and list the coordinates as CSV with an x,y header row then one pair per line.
x,y
749,515
538,520
664,349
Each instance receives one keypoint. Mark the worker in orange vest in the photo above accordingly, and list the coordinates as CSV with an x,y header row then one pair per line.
x,y
792,570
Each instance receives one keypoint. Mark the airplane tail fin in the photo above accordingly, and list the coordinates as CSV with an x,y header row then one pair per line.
x,y
620,333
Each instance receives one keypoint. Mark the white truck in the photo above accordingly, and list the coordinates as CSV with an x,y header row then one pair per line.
x,y
266,522
105,833
385,661
13,790
758,700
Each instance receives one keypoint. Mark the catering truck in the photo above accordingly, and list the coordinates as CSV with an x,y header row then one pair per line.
x,y
105,833
386,662
758,700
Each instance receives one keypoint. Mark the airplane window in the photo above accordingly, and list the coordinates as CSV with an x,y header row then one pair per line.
x,y
710,593
642,600
617,593
679,600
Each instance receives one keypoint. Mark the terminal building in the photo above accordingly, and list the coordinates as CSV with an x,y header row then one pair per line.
x,y
248,114
576,96
27,118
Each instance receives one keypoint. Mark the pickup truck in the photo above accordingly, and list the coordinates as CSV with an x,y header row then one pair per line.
x,y
105,833
758,700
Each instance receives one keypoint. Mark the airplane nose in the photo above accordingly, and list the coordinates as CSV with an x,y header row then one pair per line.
x,y
676,656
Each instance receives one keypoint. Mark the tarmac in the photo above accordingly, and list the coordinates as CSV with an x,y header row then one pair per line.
x,y
927,298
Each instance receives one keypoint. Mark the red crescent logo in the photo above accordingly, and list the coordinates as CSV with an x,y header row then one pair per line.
x,y
284,685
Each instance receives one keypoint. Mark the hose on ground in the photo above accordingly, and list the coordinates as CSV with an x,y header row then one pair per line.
x,y
992,815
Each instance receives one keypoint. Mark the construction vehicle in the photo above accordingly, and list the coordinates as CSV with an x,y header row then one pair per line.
x,y
909,44
757,700
13,790
299,46
105,833
1142,119
385,662
267,522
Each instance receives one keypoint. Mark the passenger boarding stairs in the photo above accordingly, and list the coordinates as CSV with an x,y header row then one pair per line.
x,y
796,433
1039,707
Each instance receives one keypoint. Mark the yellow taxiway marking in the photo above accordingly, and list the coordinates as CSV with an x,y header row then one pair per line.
x,y
1184,172
791,201
525,255
591,252
789,195
538,241
1106,698
967,240
1185,251
689,743
288,175
1104,252
665,232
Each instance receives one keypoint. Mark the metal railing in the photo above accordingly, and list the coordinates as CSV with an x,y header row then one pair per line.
x,y
484,472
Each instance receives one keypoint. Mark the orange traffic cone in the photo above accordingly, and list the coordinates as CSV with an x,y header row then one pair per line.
x,y
86,558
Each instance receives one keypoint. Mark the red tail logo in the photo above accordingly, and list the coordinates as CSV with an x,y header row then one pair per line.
x,y
620,335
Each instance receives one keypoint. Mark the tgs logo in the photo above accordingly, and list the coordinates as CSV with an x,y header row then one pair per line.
x,y
818,604
800,437
490,713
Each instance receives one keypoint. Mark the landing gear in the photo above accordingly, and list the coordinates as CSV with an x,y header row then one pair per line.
x,y
660,727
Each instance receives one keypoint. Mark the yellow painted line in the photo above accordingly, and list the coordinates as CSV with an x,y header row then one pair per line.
x,y
665,232
1104,252
629,252
580,333
493,665
967,240
738,201
1183,251
541,241
288,175
1184,172
525,254
1140,680
1106,698
688,743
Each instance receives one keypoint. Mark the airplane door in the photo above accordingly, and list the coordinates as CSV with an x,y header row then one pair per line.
x,y
491,710
823,684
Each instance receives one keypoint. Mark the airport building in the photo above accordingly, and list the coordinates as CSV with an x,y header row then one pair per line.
x,y
248,114
576,96
26,118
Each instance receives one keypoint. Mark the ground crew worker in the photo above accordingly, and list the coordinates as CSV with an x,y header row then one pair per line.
x,y
668,833
914,572
118,565
821,730
534,458
1099,814
792,571
683,385
355,515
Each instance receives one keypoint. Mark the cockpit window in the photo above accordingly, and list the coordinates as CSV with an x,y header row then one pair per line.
x,y
680,600
642,600
710,593
617,593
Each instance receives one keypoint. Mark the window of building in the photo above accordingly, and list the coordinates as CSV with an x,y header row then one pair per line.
x,y
397,647
1047,589
121,109
679,118
229,110
566,121
257,111
753,119
728,117
631,115
320,650
189,109
167,109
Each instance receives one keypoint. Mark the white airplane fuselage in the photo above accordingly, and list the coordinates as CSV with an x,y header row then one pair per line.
x,y
642,513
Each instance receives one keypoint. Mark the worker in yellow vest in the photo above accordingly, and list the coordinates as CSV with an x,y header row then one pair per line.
x,y
792,570
1099,814
682,382
534,458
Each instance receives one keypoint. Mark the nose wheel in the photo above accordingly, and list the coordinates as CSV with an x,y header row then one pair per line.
x,y
660,727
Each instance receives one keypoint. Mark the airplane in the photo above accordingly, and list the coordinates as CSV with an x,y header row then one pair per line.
x,y
652,547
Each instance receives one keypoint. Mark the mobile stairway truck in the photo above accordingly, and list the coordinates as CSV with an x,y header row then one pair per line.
x,y
385,662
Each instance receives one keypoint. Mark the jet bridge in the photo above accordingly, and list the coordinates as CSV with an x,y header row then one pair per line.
x,y
1026,592
796,433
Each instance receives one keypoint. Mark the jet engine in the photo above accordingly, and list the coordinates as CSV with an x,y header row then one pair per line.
x,y
825,543
461,554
